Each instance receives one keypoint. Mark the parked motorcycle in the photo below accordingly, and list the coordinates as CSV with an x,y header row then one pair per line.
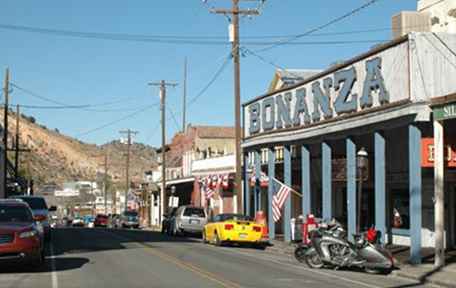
x,y
329,246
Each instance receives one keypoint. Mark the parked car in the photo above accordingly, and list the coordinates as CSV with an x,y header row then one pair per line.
x,y
166,222
21,237
101,221
114,221
40,212
188,219
77,222
89,221
233,228
129,219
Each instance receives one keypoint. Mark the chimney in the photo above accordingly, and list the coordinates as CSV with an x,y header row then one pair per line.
x,y
410,21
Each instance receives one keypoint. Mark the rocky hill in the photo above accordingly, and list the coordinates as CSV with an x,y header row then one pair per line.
x,y
55,158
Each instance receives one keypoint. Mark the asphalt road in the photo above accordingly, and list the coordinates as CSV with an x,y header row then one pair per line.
x,y
126,258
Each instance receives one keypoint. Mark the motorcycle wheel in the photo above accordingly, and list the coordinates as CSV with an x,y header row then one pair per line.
x,y
300,254
313,260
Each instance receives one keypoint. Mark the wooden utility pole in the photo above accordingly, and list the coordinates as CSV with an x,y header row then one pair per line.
x,y
234,13
163,84
128,132
184,96
5,134
105,183
16,158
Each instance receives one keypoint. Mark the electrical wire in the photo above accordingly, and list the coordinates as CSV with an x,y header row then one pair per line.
x,y
248,51
131,115
320,27
84,107
169,39
211,81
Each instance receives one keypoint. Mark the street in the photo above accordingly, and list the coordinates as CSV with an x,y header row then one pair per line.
x,y
130,258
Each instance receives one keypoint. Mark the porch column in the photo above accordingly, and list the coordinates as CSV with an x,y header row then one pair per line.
x,y
415,192
380,183
326,180
439,194
305,170
271,175
287,181
351,187
256,189
245,175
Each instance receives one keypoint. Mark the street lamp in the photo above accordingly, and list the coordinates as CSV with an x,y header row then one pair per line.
x,y
361,163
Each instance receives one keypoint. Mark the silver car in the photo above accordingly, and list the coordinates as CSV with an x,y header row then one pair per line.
x,y
188,219
129,219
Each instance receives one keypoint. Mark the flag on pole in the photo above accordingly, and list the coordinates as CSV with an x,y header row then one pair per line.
x,y
279,199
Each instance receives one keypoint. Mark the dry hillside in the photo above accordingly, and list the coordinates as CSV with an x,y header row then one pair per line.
x,y
56,158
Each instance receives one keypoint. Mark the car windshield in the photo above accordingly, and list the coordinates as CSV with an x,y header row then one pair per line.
x,y
196,212
35,203
15,214
235,217
131,214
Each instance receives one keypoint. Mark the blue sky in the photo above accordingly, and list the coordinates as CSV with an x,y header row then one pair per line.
x,y
92,71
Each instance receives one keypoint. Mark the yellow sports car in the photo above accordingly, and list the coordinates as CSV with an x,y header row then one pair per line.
x,y
233,228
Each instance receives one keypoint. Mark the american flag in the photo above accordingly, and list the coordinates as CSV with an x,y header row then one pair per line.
x,y
209,192
278,200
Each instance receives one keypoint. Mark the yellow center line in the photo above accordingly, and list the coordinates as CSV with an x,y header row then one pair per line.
x,y
185,265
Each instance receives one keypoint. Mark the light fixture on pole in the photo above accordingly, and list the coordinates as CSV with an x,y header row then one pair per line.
x,y
362,158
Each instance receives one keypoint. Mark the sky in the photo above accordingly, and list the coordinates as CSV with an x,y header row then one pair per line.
x,y
113,75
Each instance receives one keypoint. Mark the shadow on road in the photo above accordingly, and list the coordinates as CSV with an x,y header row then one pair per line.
x,y
86,240
61,264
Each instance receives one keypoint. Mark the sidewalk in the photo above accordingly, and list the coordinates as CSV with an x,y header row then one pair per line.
x,y
424,273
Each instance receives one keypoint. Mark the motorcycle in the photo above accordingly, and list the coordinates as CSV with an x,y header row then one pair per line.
x,y
329,246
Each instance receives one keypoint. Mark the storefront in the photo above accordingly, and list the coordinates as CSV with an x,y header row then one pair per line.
x,y
215,174
357,129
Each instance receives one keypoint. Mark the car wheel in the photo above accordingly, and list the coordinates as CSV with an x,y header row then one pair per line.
x,y
204,238
217,240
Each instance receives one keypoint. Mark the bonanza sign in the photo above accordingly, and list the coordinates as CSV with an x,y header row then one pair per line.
x,y
374,81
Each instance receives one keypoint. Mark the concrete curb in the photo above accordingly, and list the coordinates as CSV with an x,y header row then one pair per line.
x,y
428,280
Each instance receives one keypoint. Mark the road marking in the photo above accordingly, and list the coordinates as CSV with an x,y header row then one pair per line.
x,y
55,282
182,264
272,259
185,265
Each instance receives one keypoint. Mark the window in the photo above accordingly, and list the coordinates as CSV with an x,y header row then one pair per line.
x,y
35,203
196,212
15,214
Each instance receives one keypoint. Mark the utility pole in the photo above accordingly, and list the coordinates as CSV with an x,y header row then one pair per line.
x,y
234,12
128,132
163,84
105,183
184,100
5,134
16,158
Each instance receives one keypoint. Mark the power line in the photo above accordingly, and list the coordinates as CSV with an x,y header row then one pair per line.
x,y
211,81
248,51
171,39
131,115
61,105
313,30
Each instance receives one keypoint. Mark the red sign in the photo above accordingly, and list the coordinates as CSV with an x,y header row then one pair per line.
x,y
427,153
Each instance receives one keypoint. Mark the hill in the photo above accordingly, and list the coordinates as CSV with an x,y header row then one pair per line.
x,y
54,158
